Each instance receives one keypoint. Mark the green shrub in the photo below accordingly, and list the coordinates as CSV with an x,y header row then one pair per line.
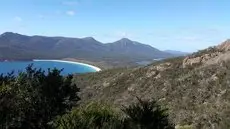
x,y
142,115
91,116
147,115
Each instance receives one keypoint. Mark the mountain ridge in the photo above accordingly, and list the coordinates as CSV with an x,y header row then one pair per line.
x,y
123,51
83,38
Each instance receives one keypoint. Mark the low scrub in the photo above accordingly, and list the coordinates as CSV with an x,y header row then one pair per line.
x,y
141,115
91,116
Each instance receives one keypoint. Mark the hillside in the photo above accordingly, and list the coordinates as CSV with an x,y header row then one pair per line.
x,y
124,52
195,89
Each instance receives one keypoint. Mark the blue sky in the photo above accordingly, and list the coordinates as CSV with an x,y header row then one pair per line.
x,y
185,25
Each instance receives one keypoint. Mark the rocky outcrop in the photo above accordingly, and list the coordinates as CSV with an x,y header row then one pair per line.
x,y
209,56
223,57
225,46
191,61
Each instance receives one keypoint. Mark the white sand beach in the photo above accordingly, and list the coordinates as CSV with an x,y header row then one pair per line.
x,y
72,62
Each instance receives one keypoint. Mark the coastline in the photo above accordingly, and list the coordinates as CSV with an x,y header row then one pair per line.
x,y
97,69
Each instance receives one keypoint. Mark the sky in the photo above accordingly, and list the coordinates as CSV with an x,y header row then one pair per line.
x,y
184,25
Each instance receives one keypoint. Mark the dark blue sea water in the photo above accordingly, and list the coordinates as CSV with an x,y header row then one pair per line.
x,y
68,68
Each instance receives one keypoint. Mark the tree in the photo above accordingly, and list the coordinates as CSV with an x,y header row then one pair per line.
x,y
35,97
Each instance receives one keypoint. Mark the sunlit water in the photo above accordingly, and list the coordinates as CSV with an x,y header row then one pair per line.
x,y
68,68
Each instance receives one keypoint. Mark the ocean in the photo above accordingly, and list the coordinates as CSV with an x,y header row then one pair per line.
x,y
68,67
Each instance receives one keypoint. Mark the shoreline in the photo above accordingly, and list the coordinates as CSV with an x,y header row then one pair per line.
x,y
97,69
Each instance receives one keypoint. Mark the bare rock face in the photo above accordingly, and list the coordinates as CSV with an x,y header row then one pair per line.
x,y
151,73
223,57
210,56
162,67
191,61
225,46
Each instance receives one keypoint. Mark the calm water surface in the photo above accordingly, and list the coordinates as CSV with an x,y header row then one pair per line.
x,y
69,68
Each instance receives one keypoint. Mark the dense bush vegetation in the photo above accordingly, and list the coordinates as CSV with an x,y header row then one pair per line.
x,y
147,115
91,116
198,95
34,98
142,115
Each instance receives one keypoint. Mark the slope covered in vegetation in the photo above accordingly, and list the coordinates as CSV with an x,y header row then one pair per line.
x,y
194,88
36,99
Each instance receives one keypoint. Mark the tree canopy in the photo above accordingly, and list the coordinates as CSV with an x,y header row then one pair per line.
x,y
35,97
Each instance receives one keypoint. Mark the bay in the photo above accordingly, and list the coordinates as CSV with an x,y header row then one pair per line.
x,y
67,66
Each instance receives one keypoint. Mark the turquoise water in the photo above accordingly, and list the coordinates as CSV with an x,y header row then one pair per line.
x,y
68,68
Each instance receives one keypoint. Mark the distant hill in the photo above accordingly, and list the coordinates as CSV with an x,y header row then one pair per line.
x,y
195,88
15,46
133,48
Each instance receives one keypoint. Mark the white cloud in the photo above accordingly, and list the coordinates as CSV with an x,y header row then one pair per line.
x,y
70,3
18,19
70,13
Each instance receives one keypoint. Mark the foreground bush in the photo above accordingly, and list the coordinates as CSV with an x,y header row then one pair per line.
x,y
92,116
142,115
147,115
34,98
